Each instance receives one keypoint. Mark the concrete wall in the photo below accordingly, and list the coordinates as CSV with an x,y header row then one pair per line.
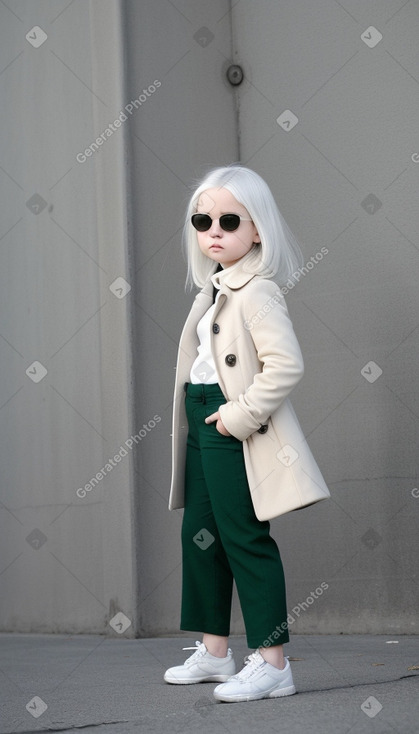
x,y
188,125
345,180
345,177
67,561
77,216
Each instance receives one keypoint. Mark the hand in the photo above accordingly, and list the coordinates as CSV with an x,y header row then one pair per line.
x,y
219,425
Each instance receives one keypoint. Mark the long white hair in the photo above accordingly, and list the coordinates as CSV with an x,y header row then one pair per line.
x,y
278,255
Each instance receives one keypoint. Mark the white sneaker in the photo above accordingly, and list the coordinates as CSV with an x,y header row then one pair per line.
x,y
258,679
201,667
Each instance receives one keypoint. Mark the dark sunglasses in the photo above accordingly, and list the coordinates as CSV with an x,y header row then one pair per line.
x,y
228,222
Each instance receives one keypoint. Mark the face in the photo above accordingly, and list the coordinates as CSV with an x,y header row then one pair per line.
x,y
224,247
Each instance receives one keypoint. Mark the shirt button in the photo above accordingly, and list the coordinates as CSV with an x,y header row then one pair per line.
x,y
230,360
216,328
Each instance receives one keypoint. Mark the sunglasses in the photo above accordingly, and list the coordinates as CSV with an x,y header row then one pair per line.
x,y
228,222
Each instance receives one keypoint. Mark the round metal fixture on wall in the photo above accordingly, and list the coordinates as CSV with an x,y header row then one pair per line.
x,y
235,75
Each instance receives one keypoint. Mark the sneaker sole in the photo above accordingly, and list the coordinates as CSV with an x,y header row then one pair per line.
x,y
205,679
235,698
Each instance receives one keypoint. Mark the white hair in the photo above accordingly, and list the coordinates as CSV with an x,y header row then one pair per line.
x,y
277,255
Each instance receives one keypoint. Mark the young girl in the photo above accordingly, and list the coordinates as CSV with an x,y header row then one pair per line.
x,y
239,455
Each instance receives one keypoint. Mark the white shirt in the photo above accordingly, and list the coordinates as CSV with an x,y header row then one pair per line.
x,y
203,369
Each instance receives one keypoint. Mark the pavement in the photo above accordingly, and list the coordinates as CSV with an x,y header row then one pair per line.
x,y
114,685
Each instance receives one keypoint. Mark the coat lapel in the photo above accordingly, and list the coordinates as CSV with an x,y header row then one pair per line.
x,y
225,280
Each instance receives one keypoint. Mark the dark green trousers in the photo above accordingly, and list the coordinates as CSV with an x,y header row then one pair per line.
x,y
222,538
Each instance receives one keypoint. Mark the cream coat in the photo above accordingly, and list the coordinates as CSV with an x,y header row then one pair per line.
x,y
258,361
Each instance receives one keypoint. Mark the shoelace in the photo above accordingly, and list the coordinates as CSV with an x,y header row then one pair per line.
x,y
251,662
200,650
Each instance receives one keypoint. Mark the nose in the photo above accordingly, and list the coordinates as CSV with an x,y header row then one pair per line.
x,y
215,230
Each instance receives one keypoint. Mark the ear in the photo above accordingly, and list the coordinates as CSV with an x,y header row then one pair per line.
x,y
256,237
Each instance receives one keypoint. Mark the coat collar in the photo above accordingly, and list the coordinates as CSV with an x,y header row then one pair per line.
x,y
236,275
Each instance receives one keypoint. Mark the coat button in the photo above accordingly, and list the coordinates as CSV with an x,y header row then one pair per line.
x,y
263,429
216,328
230,360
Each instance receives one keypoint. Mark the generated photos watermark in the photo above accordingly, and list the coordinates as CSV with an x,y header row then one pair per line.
x,y
295,614
203,539
113,462
120,622
122,117
285,289
36,707
371,706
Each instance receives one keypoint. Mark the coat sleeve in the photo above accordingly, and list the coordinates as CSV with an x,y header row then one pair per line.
x,y
265,317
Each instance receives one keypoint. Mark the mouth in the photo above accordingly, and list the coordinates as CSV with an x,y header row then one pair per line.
x,y
215,247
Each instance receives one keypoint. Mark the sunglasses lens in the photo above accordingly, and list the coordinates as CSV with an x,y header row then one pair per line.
x,y
230,222
201,222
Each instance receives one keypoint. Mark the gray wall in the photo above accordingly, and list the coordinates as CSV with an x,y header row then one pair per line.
x,y
187,126
345,178
66,561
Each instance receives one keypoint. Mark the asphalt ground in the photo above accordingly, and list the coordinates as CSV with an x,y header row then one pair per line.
x,y
114,685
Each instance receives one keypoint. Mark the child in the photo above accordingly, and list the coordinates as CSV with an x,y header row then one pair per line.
x,y
239,456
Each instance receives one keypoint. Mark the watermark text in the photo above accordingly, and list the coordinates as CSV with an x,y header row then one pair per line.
x,y
111,463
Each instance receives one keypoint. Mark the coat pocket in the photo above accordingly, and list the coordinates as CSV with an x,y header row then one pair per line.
x,y
282,473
